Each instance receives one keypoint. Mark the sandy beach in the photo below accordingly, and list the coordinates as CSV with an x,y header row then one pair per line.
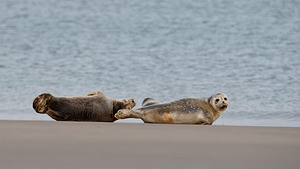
x,y
51,144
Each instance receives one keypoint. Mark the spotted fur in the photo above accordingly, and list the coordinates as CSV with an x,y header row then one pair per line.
x,y
184,111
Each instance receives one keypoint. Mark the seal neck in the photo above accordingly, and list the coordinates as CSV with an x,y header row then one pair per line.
x,y
216,114
116,107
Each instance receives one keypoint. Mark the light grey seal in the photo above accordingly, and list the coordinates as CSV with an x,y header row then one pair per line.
x,y
94,107
202,111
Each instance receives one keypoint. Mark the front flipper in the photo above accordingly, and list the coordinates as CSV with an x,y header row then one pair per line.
x,y
126,113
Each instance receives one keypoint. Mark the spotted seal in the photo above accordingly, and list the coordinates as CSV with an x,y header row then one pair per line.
x,y
202,111
94,107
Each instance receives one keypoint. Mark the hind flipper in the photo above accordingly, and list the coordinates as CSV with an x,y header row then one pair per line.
x,y
149,101
41,103
96,93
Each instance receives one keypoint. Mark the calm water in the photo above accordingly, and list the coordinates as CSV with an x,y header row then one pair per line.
x,y
168,50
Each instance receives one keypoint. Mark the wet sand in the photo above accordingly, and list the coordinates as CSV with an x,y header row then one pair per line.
x,y
51,144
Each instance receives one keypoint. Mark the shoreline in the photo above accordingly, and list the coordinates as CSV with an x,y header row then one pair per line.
x,y
219,122
52,144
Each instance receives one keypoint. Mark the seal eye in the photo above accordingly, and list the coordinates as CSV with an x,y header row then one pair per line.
x,y
217,100
225,98
132,101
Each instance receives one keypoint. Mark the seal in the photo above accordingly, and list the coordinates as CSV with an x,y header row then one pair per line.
x,y
202,111
94,107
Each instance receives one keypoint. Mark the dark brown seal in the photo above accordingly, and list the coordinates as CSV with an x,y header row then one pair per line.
x,y
94,107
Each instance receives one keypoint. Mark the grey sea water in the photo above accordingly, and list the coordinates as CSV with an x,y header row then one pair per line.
x,y
248,49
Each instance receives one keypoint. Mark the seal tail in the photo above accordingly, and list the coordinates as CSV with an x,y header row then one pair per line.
x,y
126,113
149,102
41,103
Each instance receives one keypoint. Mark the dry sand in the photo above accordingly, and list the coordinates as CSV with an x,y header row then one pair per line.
x,y
55,145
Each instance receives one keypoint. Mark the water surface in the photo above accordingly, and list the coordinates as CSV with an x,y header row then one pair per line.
x,y
167,50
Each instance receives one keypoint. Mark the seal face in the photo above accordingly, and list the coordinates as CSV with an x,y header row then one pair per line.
x,y
184,111
219,101
94,107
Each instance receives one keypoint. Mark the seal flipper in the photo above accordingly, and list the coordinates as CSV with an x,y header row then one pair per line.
x,y
149,102
96,93
126,113
41,103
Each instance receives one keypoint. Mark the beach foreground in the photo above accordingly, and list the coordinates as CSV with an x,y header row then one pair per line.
x,y
51,144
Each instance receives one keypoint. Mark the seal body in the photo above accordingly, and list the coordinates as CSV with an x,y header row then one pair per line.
x,y
94,107
184,111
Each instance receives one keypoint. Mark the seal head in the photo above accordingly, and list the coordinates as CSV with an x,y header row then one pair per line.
x,y
219,102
